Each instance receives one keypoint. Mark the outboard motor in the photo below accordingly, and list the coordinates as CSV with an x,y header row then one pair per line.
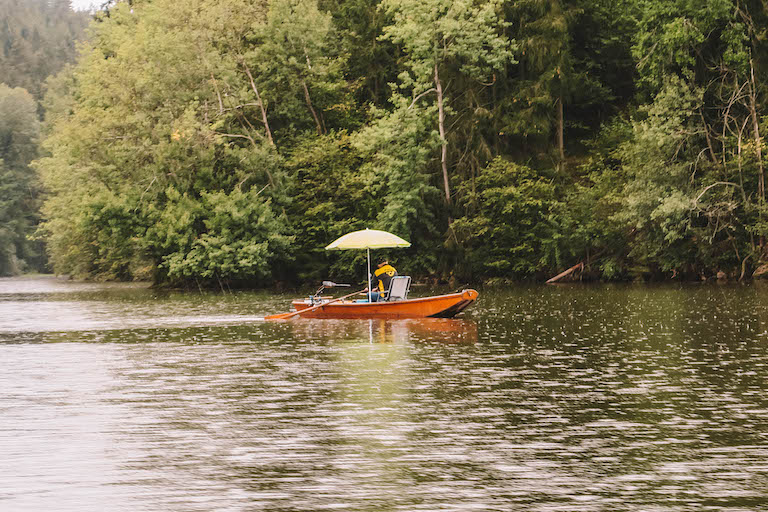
x,y
326,284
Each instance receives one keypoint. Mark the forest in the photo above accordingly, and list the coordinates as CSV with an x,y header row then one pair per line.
x,y
38,39
219,143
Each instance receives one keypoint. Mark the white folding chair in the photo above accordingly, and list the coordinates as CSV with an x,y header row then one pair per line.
x,y
398,288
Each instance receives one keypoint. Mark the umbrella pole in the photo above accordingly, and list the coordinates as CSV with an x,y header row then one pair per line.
x,y
369,275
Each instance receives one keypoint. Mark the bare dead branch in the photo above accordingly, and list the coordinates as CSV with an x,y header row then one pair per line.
x,y
239,107
218,93
311,108
239,136
650,52
724,183
154,178
417,98
709,140
260,104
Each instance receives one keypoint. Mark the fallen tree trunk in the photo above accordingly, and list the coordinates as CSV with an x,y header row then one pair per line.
x,y
578,266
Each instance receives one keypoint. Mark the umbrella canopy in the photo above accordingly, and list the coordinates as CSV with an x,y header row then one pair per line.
x,y
367,239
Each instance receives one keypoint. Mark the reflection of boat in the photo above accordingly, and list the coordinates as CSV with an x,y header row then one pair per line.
x,y
407,330
439,306
441,330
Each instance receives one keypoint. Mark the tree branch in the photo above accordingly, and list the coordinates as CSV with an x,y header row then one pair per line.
x,y
261,105
417,98
727,183
311,108
218,94
239,136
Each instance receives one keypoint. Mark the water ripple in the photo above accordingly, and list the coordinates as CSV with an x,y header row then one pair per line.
x,y
542,399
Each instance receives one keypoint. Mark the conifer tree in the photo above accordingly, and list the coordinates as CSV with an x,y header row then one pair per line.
x,y
37,38
18,187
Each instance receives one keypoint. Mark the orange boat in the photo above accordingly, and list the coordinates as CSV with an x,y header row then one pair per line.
x,y
396,303
439,306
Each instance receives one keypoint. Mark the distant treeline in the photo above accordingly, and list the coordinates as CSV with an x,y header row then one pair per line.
x,y
204,142
37,39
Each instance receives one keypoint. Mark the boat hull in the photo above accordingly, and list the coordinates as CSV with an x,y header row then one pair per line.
x,y
440,306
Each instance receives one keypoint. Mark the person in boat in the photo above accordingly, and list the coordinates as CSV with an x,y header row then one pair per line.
x,y
382,277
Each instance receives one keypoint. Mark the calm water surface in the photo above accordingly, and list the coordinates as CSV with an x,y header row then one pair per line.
x,y
566,398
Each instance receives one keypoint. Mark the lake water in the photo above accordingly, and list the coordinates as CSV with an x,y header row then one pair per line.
x,y
560,398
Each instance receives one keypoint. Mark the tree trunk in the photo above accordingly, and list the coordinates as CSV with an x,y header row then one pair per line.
x,y
709,140
444,142
578,266
261,106
758,139
741,181
560,129
311,108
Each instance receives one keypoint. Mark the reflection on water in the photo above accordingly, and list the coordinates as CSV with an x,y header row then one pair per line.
x,y
422,330
542,398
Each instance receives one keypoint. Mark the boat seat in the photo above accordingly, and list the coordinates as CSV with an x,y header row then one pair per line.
x,y
398,288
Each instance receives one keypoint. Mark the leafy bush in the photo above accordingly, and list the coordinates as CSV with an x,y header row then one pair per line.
x,y
509,207
218,237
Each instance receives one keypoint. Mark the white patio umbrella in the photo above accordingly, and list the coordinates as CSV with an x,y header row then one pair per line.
x,y
367,239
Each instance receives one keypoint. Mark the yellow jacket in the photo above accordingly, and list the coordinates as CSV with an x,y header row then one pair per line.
x,y
383,276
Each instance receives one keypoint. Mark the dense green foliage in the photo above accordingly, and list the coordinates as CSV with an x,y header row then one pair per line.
x,y
524,199
19,129
228,141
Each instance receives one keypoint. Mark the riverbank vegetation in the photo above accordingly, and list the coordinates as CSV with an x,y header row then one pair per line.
x,y
228,141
